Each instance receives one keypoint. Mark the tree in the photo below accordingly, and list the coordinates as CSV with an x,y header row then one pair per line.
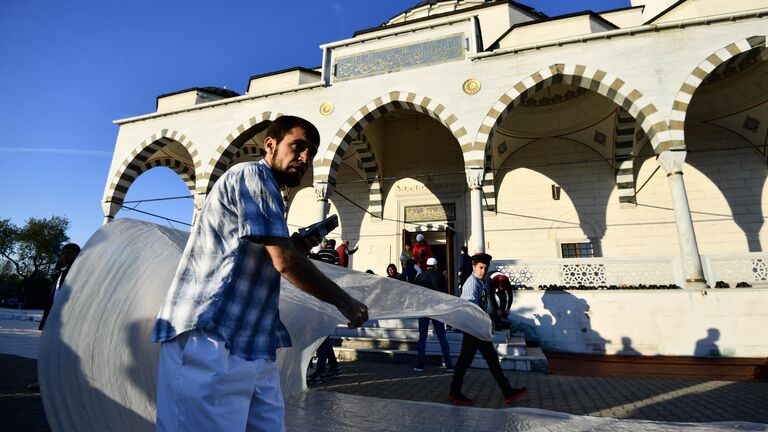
x,y
33,250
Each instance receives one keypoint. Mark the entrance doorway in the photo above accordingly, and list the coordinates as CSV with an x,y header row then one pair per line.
x,y
441,242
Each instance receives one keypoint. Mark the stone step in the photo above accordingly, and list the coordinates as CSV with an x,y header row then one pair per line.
x,y
403,334
394,323
515,347
535,361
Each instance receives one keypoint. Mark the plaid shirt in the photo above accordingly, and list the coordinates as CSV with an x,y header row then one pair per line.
x,y
226,283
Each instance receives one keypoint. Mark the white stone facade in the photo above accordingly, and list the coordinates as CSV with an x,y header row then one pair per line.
x,y
652,129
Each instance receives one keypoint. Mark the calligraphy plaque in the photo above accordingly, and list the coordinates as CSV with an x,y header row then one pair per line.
x,y
398,58
431,213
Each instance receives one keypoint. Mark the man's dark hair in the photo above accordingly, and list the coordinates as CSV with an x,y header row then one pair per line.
x,y
283,124
464,249
71,246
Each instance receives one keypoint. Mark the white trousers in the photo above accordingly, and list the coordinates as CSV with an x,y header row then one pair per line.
x,y
202,387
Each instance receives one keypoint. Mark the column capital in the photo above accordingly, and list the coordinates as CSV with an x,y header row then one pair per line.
x,y
199,200
323,190
110,210
475,177
672,161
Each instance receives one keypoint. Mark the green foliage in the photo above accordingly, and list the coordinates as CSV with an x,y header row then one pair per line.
x,y
28,254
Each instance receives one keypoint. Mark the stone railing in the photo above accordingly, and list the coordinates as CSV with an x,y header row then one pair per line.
x,y
734,268
593,271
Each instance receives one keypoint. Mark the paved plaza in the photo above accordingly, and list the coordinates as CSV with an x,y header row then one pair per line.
x,y
623,398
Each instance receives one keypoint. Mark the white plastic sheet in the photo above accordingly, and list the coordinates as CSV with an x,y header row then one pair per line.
x,y
97,367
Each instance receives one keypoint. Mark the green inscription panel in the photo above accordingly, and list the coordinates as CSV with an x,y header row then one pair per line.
x,y
405,57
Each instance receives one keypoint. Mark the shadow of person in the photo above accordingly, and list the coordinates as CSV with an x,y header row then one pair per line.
x,y
142,363
67,388
567,326
707,347
626,348
97,367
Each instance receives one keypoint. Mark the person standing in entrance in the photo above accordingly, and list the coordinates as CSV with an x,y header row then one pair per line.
x,y
219,325
465,266
473,291
345,252
406,255
434,280
422,251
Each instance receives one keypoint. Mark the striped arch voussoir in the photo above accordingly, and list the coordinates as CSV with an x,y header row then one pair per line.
x,y
179,168
326,168
589,78
136,162
694,80
227,151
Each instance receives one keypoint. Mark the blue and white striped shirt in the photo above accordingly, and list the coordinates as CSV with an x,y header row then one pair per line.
x,y
473,290
226,283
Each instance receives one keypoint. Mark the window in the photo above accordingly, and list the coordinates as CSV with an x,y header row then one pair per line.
x,y
577,250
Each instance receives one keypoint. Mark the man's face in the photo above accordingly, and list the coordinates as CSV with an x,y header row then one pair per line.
x,y
479,269
68,257
290,157
391,271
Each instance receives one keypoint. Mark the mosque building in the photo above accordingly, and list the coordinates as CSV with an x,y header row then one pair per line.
x,y
594,149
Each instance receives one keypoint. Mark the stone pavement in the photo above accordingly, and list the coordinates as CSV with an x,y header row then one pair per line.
x,y
21,408
624,398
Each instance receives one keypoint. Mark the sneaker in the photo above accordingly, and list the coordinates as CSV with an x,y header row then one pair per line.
x,y
314,379
332,372
514,394
449,369
459,399
419,369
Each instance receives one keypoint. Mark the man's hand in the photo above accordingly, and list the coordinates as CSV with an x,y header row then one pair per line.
x,y
304,244
295,267
355,311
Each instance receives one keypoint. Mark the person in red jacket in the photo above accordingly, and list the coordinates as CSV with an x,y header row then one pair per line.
x,y
422,251
344,253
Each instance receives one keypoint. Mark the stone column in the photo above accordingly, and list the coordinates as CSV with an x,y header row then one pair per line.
x,y
323,190
672,162
199,200
475,184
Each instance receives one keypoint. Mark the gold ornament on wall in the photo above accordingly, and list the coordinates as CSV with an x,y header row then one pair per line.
x,y
326,108
471,86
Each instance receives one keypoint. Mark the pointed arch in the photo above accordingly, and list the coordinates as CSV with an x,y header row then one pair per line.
x,y
697,76
615,89
179,168
227,151
623,159
138,161
372,174
489,188
326,167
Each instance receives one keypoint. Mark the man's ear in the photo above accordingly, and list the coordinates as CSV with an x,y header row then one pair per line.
x,y
270,145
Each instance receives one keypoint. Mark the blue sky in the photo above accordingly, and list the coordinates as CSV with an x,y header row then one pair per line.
x,y
69,68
